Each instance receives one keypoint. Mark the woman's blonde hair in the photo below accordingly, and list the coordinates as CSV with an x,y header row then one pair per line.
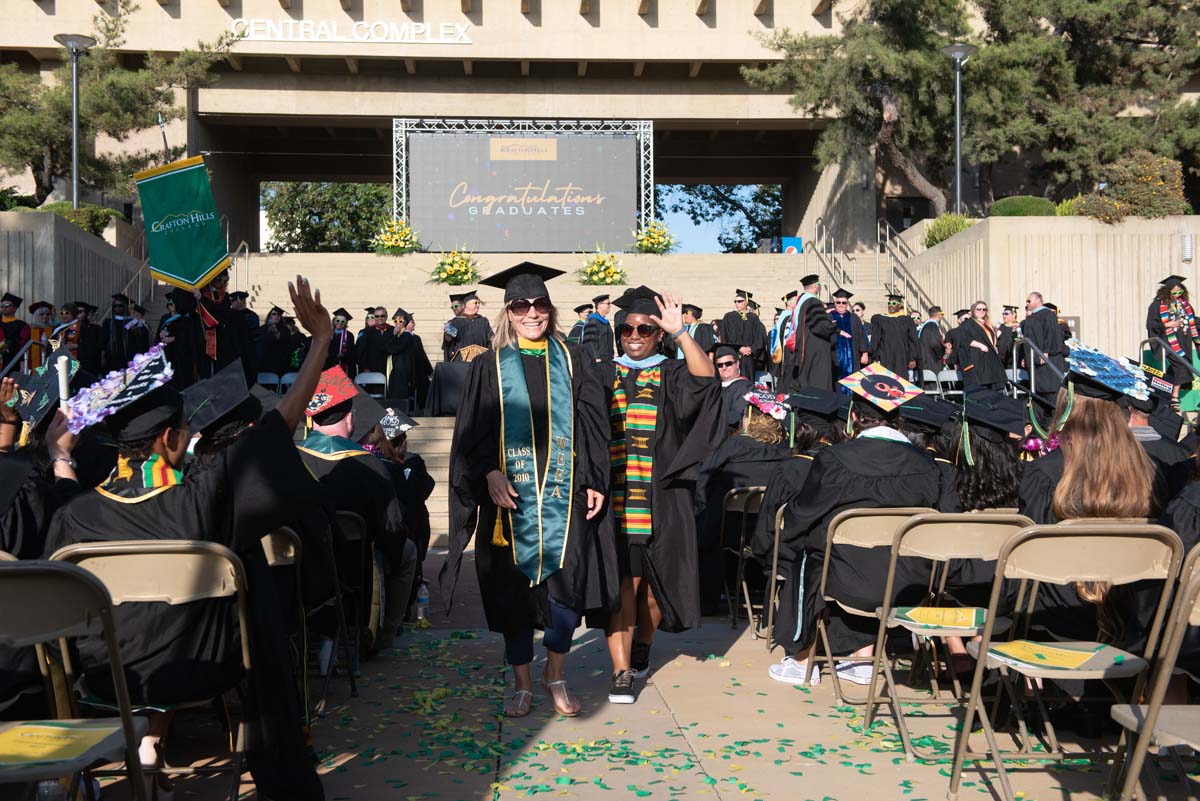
x,y
1107,474
764,428
506,333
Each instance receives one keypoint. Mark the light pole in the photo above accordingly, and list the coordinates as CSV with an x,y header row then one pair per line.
x,y
77,44
960,52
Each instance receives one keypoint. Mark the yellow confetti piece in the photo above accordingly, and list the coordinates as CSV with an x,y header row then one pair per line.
x,y
725,663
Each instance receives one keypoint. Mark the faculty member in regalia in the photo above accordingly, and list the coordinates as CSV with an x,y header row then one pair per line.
x,y
809,348
528,476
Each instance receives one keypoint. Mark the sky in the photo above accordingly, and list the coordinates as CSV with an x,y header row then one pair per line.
x,y
693,238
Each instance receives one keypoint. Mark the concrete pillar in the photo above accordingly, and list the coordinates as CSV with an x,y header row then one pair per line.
x,y
838,197
797,194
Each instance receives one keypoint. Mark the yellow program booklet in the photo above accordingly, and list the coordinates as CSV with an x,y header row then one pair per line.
x,y
943,617
50,741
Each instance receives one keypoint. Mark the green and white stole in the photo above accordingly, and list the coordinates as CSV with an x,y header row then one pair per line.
x,y
541,522
631,450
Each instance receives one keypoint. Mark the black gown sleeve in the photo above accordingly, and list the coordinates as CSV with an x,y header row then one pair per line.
x,y
819,496
819,323
591,423
1035,498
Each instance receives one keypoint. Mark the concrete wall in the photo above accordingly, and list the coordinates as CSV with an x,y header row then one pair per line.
x,y
44,257
1103,274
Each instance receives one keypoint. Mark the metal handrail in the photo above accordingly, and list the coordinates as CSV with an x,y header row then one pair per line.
x,y
139,294
243,246
1163,346
224,220
899,278
826,249
1031,366
16,359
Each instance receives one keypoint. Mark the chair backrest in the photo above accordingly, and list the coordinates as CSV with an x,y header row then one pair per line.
x,y
49,601
165,571
281,547
970,535
269,380
1190,562
351,526
869,528
1092,550
374,384
287,379
747,500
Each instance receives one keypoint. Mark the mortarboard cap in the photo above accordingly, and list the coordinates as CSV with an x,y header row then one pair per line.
x,y
10,298
754,304
340,312
400,312
41,304
524,280
741,293
894,298
638,300
793,294
582,307
276,310
134,403
121,297
395,422
845,294
1052,307
995,416
779,310
1096,375
266,398
928,412
464,297
600,298
1160,388
817,408
238,295
369,310
880,387
367,413
693,309
719,349
1171,281
334,388
1008,308
456,299
138,309
220,401
37,392
809,280
962,312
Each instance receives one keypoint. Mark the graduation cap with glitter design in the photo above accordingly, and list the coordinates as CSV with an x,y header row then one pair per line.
x,y
880,387
134,402
1097,375
334,387
395,422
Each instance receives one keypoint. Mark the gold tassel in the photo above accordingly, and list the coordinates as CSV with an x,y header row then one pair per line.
x,y
498,532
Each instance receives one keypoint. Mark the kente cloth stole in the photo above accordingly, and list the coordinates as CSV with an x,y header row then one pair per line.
x,y
1179,310
541,522
131,476
631,450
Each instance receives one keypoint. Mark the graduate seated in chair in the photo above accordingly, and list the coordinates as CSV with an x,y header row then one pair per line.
x,y
189,652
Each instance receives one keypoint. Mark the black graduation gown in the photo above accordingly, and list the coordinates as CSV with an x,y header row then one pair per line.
x,y
371,349
138,339
342,351
702,335
246,327
115,335
783,485
980,368
588,578
810,364
181,327
575,332
408,369
1182,516
1042,329
739,461
932,351
596,338
863,473
733,402
89,343
26,520
13,334
894,342
1179,374
1006,344
413,486
746,330
687,429
277,346
470,331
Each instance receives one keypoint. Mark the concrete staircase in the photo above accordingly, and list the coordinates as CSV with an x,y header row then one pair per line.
x,y
356,281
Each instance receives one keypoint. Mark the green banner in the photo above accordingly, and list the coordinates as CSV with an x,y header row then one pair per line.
x,y
183,230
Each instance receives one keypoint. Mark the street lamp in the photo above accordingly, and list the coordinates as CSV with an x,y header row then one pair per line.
x,y
77,44
960,52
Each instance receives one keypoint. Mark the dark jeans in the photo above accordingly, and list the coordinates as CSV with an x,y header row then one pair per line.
x,y
518,645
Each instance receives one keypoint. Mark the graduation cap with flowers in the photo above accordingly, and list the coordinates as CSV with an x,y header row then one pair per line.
x,y
126,396
878,386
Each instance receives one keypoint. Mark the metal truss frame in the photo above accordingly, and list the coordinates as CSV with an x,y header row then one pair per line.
x,y
402,127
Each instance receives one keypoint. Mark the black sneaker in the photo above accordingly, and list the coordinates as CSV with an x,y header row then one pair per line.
x,y
639,660
622,688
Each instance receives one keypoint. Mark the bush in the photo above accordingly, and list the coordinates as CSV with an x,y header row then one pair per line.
x,y
945,227
1023,206
1140,185
9,199
1068,207
88,216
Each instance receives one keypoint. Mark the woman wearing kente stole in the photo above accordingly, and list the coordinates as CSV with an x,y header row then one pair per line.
x,y
528,477
1171,319
664,420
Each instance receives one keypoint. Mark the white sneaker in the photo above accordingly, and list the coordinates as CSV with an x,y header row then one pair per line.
x,y
856,672
789,671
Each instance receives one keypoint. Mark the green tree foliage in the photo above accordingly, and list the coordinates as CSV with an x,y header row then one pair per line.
x,y
746,213
1063,87
89,216
946,226
1143,185
119,95
1023,206
324,217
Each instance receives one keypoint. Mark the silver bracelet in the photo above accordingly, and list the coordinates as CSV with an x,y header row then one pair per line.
x,y
70,462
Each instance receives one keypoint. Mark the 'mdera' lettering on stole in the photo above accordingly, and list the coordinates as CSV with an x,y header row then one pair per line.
x,y
637,494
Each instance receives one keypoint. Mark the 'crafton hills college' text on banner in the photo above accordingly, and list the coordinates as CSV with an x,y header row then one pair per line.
x,y
183,230
533,194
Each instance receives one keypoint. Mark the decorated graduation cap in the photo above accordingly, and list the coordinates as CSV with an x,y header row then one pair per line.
x,y
220,403
877,389
340,312
638,300
395,422
844,294
1097,375
809,280
134,403
1170,282
524,280
41,304
10,298
582,307
334,388
692,309
38,393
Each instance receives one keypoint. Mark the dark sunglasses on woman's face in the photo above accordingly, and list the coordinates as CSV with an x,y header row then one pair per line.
x,y
643,330
522,306
726,364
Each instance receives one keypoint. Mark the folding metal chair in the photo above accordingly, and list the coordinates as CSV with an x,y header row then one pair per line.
x,y
1113,552
862,528
374,384
930,382
938,538
57,601
172,572
744,501
286,380
949,383
270,381
773,585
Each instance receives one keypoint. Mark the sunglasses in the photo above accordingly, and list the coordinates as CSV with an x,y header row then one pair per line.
x,y
380,316
339,320
739,300
643,330
839,303
981,308
522,306
726,364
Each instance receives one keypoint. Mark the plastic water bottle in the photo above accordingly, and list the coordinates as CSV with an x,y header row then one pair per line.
x,y
422,602
51,791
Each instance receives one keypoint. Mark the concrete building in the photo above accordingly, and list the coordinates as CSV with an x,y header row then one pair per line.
x,y
310,90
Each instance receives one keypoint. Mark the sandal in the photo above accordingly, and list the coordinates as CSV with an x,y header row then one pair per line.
x,y
519,704
564,708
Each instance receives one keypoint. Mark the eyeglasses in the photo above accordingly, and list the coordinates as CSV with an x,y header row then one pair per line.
x,y
380,316
981,308
839,303
339,320
643,330
726,364
522,306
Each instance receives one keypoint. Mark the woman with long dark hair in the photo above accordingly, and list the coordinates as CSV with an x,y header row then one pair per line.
x,y
528,474
1171,319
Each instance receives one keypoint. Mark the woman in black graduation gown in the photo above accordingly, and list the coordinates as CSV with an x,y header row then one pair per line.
x,y
665,419
408,369
528,475
1171,318
469,328
879,468
894,338
977,351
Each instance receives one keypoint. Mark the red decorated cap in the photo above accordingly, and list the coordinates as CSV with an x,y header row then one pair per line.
x,y
334,387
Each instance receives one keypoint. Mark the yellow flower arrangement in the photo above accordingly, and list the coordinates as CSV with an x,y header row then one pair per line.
x,y
456,268
601,269
654,238
395,238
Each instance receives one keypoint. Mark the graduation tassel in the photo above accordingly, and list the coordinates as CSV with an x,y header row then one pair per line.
x,y
1033,421
964,444
498,532
1070,405
792,430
